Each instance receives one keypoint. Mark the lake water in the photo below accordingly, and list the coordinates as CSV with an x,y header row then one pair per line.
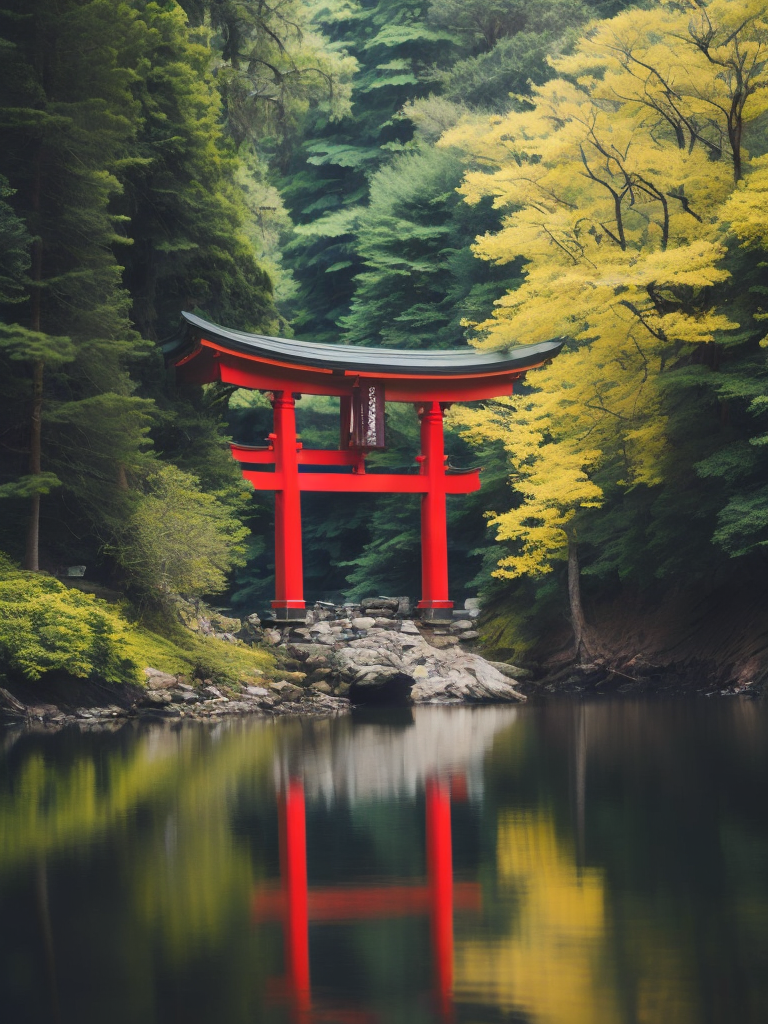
x,y
569,863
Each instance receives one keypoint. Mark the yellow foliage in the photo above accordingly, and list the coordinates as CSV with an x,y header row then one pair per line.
x,y
551,478
553,965
744,210
619,183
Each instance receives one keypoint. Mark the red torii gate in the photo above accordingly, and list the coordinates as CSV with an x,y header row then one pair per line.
x,y
297,905
364,379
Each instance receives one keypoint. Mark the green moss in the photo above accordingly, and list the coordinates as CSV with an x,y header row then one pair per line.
x,y
46,627
188,654
508,631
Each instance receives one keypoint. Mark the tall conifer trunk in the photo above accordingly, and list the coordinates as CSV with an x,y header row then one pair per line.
x,y
32,560
32,553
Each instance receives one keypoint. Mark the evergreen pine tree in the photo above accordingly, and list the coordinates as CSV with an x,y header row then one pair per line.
x,y
67,119
186,213
326,181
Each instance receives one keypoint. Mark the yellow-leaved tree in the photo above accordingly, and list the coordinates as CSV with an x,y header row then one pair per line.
x,y
615,178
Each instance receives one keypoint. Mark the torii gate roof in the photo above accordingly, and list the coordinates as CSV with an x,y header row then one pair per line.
x,y
204,352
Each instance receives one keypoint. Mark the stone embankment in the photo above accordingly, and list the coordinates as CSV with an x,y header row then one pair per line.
x,y
372,653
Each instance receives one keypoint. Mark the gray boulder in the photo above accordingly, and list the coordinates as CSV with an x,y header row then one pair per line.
x,y
159,680
363,622
388,603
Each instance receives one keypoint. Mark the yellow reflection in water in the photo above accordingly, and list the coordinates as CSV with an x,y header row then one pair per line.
x,y
554,964
558,960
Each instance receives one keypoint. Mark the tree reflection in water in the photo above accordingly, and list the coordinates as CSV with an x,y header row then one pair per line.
x,y
568,863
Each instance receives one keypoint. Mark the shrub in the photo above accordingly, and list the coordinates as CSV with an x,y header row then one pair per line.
x,y
45,627
179,539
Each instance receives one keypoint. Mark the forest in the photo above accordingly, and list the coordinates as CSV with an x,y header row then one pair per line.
x,y
402,173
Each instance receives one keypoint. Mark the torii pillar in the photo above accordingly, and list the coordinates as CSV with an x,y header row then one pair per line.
x,y
289,563
434,529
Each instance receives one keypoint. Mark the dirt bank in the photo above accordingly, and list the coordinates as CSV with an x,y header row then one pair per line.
x,y
704,641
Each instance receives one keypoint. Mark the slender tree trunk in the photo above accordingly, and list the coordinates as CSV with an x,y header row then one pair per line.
x,y
574,599
735,130
31,557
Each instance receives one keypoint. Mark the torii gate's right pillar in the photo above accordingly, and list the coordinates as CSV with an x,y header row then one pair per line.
x,y
434,533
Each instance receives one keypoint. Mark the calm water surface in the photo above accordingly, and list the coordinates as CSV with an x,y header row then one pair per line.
x,y
604,863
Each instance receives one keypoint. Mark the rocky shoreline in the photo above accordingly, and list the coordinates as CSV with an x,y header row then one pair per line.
x,y
380,656
342,656
338,657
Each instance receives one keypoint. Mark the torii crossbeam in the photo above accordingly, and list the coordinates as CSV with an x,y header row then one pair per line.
x,y
364,379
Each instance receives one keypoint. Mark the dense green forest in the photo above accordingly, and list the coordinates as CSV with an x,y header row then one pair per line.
x,y
409,173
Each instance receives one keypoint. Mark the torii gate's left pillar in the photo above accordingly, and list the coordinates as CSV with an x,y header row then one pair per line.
x,y
289,568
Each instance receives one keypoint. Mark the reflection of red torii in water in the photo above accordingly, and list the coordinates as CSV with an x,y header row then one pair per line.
x,y
297,905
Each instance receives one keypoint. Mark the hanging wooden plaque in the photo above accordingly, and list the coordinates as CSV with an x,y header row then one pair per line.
x,y
364,416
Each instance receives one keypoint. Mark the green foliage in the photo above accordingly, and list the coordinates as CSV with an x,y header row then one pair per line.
x,y
27,486
510,41
178,538
420,279
267,227
275,66
743,522
325,183
489,80
67,120
186,213
14,248
484,23
44,628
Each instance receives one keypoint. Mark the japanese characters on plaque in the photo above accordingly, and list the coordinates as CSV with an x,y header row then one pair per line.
x,y
362,417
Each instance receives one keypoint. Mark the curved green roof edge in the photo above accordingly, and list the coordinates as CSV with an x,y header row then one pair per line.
x,y
435,363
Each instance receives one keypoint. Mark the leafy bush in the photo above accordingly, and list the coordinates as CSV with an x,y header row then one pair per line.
x,y
179,539
45,627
